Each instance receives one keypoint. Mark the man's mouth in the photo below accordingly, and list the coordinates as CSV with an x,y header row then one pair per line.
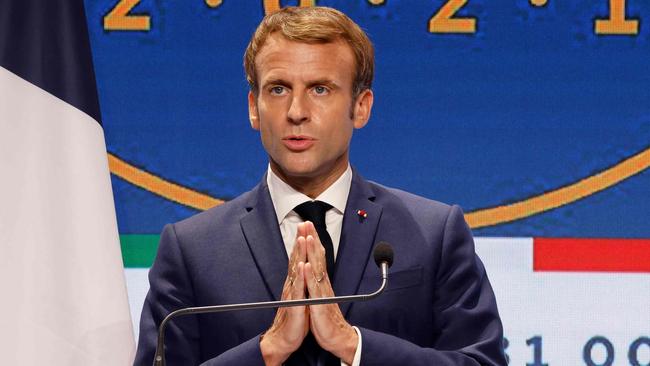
x,y
298,142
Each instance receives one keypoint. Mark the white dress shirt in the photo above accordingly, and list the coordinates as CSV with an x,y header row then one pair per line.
x,y
285,199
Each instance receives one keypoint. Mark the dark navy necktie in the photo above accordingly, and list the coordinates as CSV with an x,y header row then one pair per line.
x,y
314,211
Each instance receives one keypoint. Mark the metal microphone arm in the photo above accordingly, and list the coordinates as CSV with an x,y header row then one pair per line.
x,y
159,359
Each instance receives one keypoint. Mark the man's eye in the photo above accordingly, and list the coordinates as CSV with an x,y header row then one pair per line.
x,y
277,90
320,89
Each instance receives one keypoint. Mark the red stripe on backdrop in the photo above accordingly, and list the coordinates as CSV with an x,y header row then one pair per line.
x,y
591,255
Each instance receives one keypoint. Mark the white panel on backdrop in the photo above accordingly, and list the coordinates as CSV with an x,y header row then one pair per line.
x,y
558,313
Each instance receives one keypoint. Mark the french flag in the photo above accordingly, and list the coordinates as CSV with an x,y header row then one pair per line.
x,y
61,275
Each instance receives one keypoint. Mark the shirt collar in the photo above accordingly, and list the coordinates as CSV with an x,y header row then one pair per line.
x,y
285,198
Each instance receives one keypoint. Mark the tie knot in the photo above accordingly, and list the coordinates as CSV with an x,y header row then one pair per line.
x,y
313,211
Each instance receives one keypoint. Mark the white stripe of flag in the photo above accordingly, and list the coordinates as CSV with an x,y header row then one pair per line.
x,y
64,299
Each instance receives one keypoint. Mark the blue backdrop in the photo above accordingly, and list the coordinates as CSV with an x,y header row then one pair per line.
x,y
531,101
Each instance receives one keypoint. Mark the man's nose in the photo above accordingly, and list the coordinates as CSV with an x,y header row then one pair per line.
x,y
299,109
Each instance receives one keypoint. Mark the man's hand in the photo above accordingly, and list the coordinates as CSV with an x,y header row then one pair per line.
x,y
330,329
291,324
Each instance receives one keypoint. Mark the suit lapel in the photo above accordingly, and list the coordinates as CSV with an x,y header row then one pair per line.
x,y
357,239
264,240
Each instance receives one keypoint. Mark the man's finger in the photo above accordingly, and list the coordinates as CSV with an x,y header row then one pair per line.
x,y
310,229
298,254
301,250
316,256
302,229
298,286
326,286
313,286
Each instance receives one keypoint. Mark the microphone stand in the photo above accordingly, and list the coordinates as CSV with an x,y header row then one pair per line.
x,y
159,358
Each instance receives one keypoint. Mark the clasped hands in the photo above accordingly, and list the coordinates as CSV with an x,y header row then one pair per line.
x,y
307,278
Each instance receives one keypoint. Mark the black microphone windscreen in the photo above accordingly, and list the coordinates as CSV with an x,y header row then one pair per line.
x,y
383,253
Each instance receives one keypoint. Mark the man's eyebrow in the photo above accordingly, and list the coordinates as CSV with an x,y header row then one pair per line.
x,y
277,81
327,82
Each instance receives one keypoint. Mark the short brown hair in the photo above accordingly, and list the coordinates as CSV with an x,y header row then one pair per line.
x,y
314,25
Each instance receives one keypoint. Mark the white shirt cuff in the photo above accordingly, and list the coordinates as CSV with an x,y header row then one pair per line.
x,y
356,361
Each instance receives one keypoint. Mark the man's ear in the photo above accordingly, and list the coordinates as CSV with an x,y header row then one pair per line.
x,y
362,108
253,114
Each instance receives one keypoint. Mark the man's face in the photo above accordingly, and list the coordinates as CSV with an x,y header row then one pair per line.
x,y
304,108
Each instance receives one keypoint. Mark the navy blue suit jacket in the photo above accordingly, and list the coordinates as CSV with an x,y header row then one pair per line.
x,y
438,308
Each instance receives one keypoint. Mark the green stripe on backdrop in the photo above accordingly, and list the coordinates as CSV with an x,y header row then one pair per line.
x,y
138,251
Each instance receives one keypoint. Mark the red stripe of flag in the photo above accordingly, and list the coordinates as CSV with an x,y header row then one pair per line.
x,y
591,255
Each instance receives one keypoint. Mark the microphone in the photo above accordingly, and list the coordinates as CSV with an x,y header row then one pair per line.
x,y
383,254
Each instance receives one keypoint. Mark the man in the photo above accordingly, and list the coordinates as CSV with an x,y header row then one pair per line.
x,y
308,229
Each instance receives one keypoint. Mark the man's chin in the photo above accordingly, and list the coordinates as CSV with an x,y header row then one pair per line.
x,y
303,170
300,171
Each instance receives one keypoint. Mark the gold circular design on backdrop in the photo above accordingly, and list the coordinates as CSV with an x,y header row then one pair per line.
x,y
160,186
213,3
476,219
